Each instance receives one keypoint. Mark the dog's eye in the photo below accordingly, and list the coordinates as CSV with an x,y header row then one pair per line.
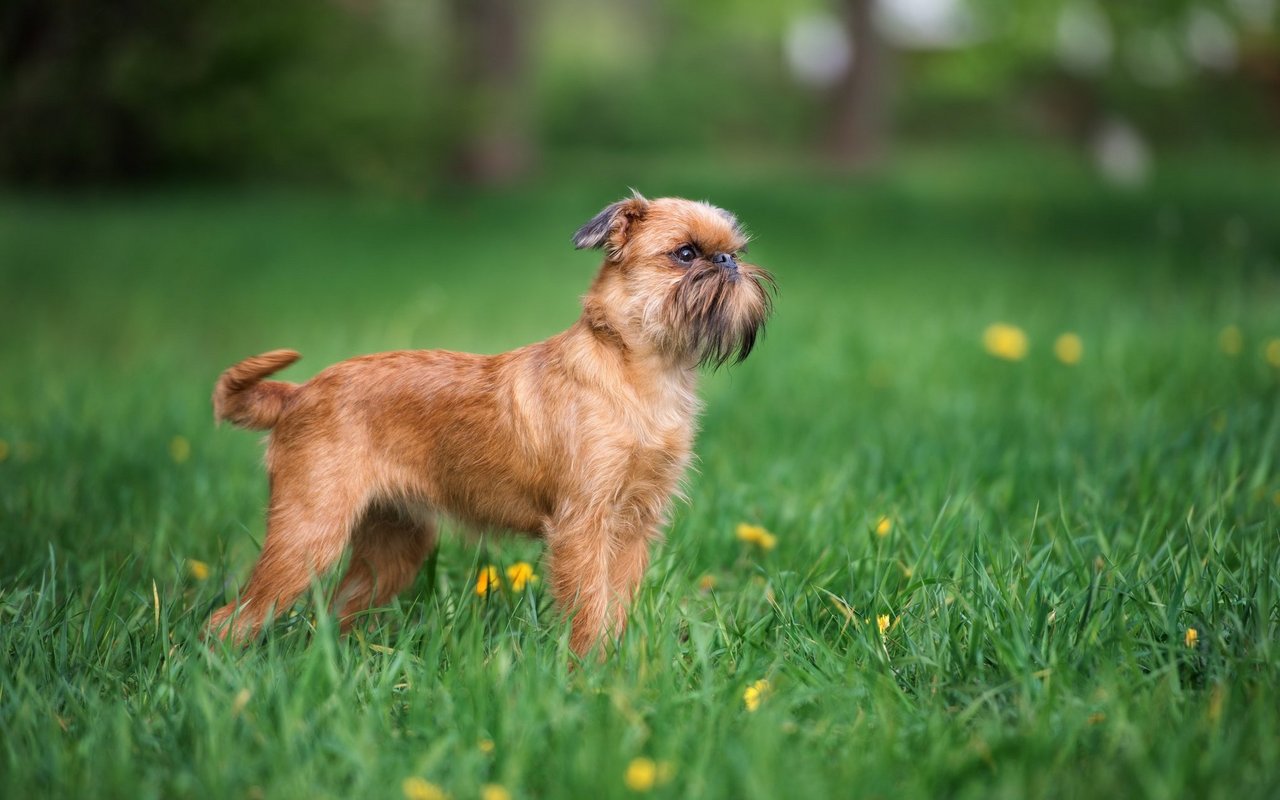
x,y
686,254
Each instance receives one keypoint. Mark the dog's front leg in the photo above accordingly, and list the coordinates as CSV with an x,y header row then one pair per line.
x,y
628,561
580,544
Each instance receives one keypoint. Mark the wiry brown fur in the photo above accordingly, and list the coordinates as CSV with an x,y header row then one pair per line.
x,y
581,439
242,396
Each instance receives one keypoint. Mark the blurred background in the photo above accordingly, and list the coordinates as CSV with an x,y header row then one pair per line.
x,y
415,96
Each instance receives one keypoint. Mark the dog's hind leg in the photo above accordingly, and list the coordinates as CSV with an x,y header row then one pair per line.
x,y
308,527
387,550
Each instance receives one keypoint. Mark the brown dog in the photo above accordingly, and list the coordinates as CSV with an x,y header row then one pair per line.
x,y
581,439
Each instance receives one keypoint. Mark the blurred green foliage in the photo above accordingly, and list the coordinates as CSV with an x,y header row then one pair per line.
x,y
139,89
373,92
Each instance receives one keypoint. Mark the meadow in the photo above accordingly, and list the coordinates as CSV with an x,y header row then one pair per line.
x,y
999,564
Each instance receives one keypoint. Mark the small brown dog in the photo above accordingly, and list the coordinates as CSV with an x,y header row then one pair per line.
x,y
581,439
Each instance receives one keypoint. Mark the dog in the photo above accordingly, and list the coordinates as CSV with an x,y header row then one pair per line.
x,y
581,440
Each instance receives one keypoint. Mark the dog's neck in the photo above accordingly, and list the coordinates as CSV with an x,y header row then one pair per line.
x,y
608,349
632,351
600,347
645,388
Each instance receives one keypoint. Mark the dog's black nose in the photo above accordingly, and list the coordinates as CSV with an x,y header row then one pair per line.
x,y
725,260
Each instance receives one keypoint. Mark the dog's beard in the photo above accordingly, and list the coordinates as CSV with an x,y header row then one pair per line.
x,y
719,315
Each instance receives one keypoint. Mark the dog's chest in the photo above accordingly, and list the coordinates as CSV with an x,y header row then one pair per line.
x,y
658,476
656,437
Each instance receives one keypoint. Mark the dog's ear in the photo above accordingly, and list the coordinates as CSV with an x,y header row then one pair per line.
x,y
611,227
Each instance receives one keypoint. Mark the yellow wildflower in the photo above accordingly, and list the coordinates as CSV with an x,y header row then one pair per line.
x,y
416,788
883,622
1230,340
1215,703
486,746
1272,353
241,700
754,694
883,526
1005,341
487,580
1191,637
492,791
179,449
198,569
1068,348
707,582
754,534
519,574
641,774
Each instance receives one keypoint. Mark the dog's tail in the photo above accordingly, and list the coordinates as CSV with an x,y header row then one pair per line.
x,y
243,398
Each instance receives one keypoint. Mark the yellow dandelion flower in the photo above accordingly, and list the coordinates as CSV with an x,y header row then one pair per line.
x,y
416,788
487,580
241,700
883,622
1231,340
1272,352
755,534
1215,703
1191,637
493,791
521,573
641,774
883,526
1008,342
197,569
179,449
4,450
486,746
755,694
1068,348
706,583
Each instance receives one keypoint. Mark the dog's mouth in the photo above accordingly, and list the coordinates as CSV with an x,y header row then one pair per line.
x,y
720,313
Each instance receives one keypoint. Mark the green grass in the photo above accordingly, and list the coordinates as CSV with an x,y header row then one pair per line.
x,y
1056,530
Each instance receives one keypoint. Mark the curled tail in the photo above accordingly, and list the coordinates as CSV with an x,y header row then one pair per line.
x,y
243,398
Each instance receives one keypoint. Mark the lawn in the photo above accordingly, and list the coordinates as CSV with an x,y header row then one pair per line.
x,y
992,577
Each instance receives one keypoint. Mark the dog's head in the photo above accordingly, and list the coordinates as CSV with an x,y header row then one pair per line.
x,y
673,280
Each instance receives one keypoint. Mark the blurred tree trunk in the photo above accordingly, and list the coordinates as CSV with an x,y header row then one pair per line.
x,y
491,71
860,110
